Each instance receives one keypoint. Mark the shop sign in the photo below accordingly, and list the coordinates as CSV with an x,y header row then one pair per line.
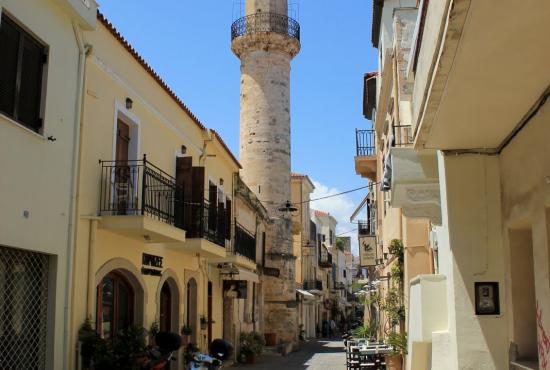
x,y
270,271
151,265
367,250
236,288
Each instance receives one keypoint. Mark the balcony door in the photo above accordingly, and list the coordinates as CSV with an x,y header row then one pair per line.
x,y
124,186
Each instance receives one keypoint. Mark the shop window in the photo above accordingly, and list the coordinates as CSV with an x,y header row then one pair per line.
x,y
115,305
21,69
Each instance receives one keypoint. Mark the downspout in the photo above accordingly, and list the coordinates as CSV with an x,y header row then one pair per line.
x,y
83,51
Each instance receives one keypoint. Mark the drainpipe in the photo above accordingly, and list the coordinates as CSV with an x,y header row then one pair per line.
x,y
83,51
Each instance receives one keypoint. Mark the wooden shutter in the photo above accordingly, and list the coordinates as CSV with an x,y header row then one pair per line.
x,y
30,89
213,203
9,49
183,191
228,219
196,218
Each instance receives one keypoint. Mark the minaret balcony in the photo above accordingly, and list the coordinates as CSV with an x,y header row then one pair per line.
x,y
265,23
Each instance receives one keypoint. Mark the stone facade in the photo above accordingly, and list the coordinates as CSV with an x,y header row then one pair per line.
x,y
265,56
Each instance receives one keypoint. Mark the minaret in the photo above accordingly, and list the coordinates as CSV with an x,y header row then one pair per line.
x,y
266,40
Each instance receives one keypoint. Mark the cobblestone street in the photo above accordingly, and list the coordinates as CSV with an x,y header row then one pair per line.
x,y
313,355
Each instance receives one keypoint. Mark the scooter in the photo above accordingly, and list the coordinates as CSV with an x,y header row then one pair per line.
x,y
220,350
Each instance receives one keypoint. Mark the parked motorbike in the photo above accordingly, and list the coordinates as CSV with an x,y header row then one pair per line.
x,y
220,350
159,357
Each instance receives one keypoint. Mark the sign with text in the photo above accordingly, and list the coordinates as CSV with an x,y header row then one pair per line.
x,y
367,250
151,265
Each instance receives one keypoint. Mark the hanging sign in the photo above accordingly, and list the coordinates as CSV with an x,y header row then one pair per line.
x,y
367,250
151,265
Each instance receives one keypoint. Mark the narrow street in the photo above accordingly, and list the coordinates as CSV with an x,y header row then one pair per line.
x,y
313,355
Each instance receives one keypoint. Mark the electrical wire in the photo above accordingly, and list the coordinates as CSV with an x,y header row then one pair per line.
x,y
347,232
370,185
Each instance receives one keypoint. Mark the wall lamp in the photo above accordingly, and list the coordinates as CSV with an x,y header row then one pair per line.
x,y
129,103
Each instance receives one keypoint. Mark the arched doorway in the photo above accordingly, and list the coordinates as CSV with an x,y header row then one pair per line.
x,y
115,304
192,308
165,316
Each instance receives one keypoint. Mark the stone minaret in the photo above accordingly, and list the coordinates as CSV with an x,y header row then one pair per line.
x,y
266,40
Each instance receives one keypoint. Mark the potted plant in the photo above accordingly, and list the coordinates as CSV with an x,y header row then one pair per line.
x,y
398,341
155,328
186,332
252,345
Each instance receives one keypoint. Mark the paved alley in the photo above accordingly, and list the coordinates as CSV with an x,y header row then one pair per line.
x,y
313,355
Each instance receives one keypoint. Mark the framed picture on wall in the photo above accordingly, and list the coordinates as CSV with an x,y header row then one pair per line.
x,y
487,298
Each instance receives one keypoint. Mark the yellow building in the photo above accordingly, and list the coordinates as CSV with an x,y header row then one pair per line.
x,y
305,250
159,237
41,73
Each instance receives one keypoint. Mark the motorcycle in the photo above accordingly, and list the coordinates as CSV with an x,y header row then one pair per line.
x,y
220,350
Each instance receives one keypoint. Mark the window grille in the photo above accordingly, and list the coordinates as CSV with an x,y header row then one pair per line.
x,y
23,309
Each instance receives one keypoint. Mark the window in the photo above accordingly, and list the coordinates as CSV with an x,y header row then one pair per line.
x,y
331,240
324,238
21,67
115,305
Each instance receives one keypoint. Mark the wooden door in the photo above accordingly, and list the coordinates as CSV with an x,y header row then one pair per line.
x,y
123,177
165,308
209,312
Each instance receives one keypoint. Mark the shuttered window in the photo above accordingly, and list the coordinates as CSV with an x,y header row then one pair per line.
x,y
21,68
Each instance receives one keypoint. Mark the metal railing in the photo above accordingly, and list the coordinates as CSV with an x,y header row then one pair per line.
x,y
265,22
205,220
402,135
313,285
245,242
137,187
364,141
325,259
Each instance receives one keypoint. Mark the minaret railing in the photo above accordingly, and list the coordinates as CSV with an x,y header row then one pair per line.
x,y
265,22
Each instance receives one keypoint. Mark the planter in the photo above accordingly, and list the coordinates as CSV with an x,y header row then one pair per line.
x,y
270,339
394,362
250,358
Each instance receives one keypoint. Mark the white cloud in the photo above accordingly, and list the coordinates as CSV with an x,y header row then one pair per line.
x,y
340,207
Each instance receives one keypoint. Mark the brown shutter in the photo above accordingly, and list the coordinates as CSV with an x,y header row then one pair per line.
x,y
196,217
228,219
183,190
213,203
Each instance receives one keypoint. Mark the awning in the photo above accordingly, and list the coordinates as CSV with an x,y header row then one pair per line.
x,y
359,207
305,294
315,291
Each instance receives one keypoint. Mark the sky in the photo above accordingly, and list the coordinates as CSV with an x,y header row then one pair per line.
x,y
188,43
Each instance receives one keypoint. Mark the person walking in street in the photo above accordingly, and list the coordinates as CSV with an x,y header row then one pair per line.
x,y
332,328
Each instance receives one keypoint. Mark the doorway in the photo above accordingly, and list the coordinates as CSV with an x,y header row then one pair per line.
x,y
524,333
192,308
165,317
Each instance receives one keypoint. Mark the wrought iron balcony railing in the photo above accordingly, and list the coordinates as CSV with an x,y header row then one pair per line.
x,y
313,285
137,187
402,135
265,22
325,260
245,242
206,220
364,141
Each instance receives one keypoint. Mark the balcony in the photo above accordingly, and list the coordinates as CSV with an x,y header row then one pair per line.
x,y
415,183
366,227
207,228
313,285
264,23
365,159
402,136
325,259
137,199
242,252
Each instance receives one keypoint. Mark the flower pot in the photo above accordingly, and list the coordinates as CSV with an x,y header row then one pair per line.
x,y
270,339
250,358
394,362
